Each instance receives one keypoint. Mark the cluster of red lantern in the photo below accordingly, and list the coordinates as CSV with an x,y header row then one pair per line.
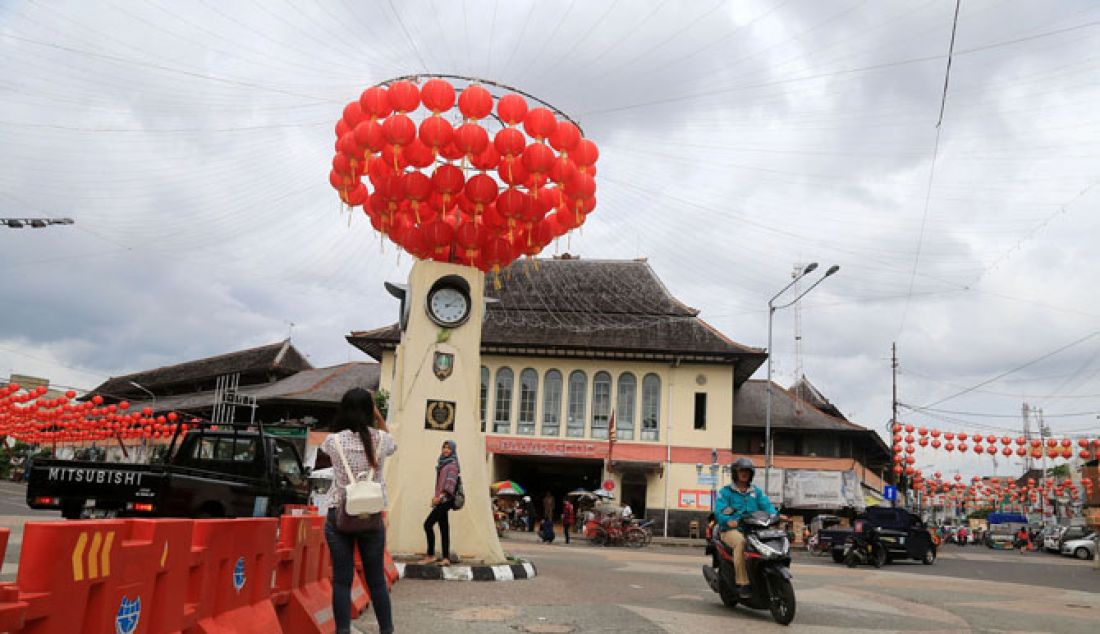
x,y
30,417
456,193
905,445
1001,492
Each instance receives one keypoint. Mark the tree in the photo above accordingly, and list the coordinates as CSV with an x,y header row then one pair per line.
x,y
382,400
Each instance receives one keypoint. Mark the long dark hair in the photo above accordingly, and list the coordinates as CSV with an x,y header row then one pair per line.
x,y
356,413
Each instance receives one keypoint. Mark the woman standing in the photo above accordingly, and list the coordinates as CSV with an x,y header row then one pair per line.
x,y
364,448
446,482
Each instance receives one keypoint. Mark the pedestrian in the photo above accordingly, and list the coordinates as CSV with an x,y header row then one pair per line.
x,y
529,513
568,517
548,506
446,483
362,447
546,530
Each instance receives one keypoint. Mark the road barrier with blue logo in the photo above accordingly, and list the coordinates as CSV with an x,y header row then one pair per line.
x,y
172,576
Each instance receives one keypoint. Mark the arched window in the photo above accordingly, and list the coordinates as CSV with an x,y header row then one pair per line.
x,y
551,404
483,400
625,406
578,399
502,404
601,404
528,399
651,407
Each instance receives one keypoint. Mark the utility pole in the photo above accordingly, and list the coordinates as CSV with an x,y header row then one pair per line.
x,y
1027,437
894,401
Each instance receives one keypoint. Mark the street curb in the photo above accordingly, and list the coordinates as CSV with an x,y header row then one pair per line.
x,y
432,572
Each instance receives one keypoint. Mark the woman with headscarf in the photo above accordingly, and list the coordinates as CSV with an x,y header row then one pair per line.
x,y
446,483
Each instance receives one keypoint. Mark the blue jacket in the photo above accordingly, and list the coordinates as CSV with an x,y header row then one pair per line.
x,y
734,505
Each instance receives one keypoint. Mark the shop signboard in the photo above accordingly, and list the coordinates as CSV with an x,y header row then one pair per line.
x,y
810,489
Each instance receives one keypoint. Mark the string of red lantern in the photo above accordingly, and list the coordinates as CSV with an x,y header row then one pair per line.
x,y
905,445
532,181
29,417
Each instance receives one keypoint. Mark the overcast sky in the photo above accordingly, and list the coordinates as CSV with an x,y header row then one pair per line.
x,y
191,142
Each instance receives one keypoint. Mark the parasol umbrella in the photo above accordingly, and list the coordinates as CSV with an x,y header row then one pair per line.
x,y
507,487
604,493
580,493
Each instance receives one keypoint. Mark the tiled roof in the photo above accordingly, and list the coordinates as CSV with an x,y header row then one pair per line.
x,y
279,359
592,308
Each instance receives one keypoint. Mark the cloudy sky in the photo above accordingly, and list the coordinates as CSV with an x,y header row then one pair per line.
x,y
191,142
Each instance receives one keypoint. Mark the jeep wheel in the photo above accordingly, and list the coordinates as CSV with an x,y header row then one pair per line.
x,y
838,557
929,557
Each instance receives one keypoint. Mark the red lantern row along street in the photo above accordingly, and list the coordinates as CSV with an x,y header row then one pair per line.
x,y
456,193
906,445
1003,492
32,418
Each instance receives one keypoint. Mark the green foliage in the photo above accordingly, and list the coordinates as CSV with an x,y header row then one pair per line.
x,y
978,515
382,400
1061,471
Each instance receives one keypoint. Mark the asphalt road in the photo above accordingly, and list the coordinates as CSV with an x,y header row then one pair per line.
x,y
581,588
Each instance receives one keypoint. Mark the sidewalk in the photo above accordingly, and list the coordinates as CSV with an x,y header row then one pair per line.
x,y
533,538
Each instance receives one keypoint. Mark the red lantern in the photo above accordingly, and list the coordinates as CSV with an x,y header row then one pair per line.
x,y
565,137
512,109
404,96
375,103
436,132
540,123
475,102
437,95
471,138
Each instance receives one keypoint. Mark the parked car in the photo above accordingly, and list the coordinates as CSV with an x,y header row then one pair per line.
x,y
904,535
1084,548
1073,533
224,473
1051,535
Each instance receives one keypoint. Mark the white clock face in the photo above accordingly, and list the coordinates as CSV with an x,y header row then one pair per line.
x,y
448,306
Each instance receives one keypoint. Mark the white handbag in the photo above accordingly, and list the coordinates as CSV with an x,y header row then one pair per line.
x,y
362,496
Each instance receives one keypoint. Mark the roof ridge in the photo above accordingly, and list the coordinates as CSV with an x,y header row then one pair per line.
x,y
203,359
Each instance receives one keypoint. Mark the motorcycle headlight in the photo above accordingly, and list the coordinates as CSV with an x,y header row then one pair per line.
x,y
763,548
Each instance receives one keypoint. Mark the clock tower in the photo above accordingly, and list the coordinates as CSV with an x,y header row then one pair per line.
x,y
434,397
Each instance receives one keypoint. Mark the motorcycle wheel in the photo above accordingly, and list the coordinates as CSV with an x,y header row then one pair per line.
x,y
636,538
728,594
851,559
929,557
879,559
599,539
782,601
838,557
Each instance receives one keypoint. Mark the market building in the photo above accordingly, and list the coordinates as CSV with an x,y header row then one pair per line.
x,y
291,397
592,371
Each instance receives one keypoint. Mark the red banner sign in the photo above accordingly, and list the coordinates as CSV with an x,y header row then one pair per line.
x,y
545,447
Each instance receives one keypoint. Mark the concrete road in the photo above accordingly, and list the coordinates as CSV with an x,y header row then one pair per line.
x,y
593,589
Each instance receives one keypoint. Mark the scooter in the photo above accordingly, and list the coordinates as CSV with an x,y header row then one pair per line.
x,y
768,555
865,548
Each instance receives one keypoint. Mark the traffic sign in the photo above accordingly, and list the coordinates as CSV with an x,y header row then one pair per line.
x,y
890,493
708,479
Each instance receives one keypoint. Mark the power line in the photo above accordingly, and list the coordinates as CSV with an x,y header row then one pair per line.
x,y
931,171
1015,369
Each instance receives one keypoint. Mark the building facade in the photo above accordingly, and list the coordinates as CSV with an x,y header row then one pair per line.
x,y
583,347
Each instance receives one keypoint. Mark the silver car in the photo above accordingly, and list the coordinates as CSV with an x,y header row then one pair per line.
x,y
1080,548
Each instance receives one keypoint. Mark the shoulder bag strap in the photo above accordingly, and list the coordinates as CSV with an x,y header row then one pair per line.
x,y
344,459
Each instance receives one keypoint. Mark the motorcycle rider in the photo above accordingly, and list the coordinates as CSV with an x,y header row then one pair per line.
x,y
735,501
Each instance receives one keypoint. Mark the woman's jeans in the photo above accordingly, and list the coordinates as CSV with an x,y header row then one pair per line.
x,y
439,516
372,545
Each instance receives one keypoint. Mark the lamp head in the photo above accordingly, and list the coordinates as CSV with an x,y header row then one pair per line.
x,y
832,269
809,268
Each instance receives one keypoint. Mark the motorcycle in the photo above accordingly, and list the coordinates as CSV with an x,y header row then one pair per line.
x,y
768,555
865,548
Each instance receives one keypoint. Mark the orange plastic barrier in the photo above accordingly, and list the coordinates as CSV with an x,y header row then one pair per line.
x,y
392,574
303,588
12,610
175,576
232,566
104,576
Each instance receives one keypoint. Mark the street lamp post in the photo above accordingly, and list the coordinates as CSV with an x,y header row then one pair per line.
x,y
768,402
